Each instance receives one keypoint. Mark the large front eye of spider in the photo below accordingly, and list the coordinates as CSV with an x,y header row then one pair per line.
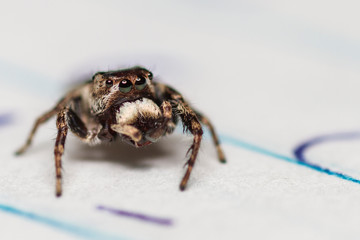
x,y
125,86
140,83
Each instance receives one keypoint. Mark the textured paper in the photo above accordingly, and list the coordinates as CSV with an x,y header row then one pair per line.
x,y
270,76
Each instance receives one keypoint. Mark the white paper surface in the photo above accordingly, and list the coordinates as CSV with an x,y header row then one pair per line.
x,y
270,76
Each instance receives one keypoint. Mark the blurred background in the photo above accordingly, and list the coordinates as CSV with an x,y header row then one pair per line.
x,y
272,73
262,63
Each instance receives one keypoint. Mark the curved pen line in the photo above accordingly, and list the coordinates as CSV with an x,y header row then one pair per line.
x,y
300,150
87,233
251,147
92,234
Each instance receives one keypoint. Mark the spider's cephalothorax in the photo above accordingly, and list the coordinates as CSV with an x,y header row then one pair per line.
x,y
126,104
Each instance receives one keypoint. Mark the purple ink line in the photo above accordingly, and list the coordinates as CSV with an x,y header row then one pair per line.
x,y
300,150
6,119
138,216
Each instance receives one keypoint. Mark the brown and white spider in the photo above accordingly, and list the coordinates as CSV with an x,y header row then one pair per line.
x,y
125,103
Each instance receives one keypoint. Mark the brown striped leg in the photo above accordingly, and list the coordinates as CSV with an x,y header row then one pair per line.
x,y
42,119
215,138
192,124
62,127
195,149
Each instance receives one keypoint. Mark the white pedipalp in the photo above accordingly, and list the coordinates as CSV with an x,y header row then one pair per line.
x,y
130,111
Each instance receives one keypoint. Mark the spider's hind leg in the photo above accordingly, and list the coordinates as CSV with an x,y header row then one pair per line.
x,y
42,119
204,120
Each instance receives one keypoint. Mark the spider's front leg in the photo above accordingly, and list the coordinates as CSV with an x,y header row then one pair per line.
x,y
66,119
62,127
170,93
191,120
191,123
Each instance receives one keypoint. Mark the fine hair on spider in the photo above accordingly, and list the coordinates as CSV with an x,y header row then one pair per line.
x,y
126,104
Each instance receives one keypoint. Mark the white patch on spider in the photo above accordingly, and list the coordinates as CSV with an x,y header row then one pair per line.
x,y
130,111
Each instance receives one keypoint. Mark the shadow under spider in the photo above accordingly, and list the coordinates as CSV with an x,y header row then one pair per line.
x,y
166,149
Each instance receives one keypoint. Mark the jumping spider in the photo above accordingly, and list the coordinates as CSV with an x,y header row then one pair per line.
x,y
125,103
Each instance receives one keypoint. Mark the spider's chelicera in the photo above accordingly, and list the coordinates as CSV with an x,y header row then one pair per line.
x,y
127,104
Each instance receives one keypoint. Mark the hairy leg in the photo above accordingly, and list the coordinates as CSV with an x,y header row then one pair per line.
x,y
215,138
79,128
192,124
62,127
43,118
190,119
68,119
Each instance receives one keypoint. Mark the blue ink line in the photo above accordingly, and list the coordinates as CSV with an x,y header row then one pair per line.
x,y
86,233
6,119
238,143
138,216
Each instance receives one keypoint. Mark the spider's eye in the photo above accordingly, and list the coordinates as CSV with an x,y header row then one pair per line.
x,y
109,83
150,75
125,86
140,83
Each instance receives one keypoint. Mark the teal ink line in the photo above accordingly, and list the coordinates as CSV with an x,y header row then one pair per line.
x,y
82,232
238,143
36,81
